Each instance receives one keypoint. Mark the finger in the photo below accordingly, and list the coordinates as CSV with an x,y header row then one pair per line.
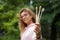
x,y
37,29
37,23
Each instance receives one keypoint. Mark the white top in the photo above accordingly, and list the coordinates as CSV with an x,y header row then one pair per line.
x,y
29,33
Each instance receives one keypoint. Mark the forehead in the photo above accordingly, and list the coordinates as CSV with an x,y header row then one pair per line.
x,y
23,13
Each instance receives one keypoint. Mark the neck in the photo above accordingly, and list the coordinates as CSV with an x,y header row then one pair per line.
x,y
29,23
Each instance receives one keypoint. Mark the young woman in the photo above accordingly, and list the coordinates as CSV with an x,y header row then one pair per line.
x,y
29,28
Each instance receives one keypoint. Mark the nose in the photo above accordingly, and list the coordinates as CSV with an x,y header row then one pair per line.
x,y
23,17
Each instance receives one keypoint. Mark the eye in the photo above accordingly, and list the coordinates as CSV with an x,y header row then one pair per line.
x,y
25,14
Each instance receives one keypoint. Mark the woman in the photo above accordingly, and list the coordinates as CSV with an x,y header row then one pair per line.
x,y
29,28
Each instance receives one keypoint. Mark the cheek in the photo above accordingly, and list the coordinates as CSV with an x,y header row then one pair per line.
x,y
28,17
26,20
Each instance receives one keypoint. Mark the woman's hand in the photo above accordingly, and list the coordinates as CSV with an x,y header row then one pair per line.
x,y
37,30
37,27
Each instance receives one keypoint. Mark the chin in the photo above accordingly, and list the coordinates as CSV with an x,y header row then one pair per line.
x,y
26,22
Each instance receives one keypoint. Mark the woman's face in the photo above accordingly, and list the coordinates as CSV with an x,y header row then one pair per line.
x,y
26,17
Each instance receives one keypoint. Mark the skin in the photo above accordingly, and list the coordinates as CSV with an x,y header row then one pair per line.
x,y
28,20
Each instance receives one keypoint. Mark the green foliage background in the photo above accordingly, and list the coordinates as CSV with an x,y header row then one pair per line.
x,y
9,10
